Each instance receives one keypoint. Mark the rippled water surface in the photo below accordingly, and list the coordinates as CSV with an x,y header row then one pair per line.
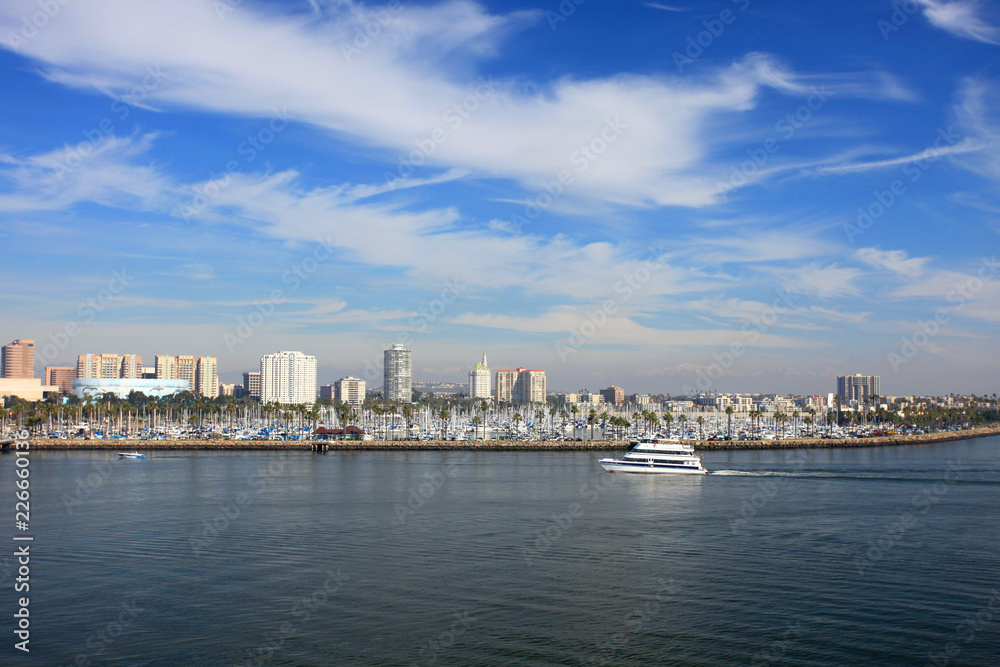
x,y
805,557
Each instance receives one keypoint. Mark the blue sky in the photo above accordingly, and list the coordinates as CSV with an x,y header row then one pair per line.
x,y
730,195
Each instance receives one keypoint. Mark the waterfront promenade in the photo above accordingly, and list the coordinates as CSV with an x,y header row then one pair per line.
x,y
497,445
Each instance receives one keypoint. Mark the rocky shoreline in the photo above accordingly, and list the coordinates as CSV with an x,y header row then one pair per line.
x,y
496,445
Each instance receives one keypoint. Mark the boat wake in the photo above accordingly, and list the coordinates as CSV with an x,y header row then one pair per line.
x,y
921,476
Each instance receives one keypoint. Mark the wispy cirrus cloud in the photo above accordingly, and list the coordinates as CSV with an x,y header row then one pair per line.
x,y
961,18
406,84
895,261
964,146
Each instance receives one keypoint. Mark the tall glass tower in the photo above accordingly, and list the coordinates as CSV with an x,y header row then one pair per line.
x,y
398,374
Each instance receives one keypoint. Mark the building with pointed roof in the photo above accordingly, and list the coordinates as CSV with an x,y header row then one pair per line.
x,y
479,380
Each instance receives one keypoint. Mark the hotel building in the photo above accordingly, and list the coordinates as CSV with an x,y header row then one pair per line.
x,y
521,386
206,377
108,366
18,359
288,377
858,387
480,380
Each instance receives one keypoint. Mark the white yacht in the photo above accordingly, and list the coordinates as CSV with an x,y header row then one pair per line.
x,y
657,455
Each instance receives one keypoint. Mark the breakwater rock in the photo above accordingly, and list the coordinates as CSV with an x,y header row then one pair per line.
x,y
495,445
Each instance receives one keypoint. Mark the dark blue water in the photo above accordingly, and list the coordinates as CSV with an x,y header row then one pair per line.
x,y
808,557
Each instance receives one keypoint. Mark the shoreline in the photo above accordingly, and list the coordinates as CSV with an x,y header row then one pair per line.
x,y
495,445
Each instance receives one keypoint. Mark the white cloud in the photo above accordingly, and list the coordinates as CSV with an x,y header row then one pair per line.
x,y
897,261
960,18
977,113
407,86
821,281
104,172
966,145
622,330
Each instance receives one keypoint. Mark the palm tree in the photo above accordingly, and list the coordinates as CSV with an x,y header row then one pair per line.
x,y
517,420
668,419
729,421
682,420
483,407
701,422
444,416
408,418
591,420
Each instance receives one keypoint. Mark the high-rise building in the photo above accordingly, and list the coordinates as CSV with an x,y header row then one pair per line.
x,y
227,389
397,374
614,395
350,390
18,359
186,367
60,376
533,386
479,380
858,387
166,367
251,384
206,377
288,377
201,373
521,386
506,381
99,366
130,367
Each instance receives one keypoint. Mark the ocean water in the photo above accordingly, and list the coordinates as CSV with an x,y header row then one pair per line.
x,y
884,556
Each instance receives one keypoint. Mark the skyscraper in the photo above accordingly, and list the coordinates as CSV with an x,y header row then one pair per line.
x,y
521,386
858,387
206,377
131,367
201,373
479,380
18,359
105,366
288,377
397,374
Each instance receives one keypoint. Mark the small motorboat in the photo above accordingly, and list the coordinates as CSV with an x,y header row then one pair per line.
x,y
131,455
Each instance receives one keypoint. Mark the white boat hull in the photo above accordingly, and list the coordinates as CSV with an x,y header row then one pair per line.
x,y
615,465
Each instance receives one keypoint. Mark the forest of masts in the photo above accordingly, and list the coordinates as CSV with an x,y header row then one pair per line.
x,y
457,417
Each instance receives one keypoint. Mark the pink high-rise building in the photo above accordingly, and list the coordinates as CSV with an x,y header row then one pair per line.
x,y
18,360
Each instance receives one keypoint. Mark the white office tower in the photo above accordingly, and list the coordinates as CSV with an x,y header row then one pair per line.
x,y
479,380
397,374
288,377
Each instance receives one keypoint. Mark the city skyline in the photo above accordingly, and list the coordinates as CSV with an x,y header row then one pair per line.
x,y
163,368
633,194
